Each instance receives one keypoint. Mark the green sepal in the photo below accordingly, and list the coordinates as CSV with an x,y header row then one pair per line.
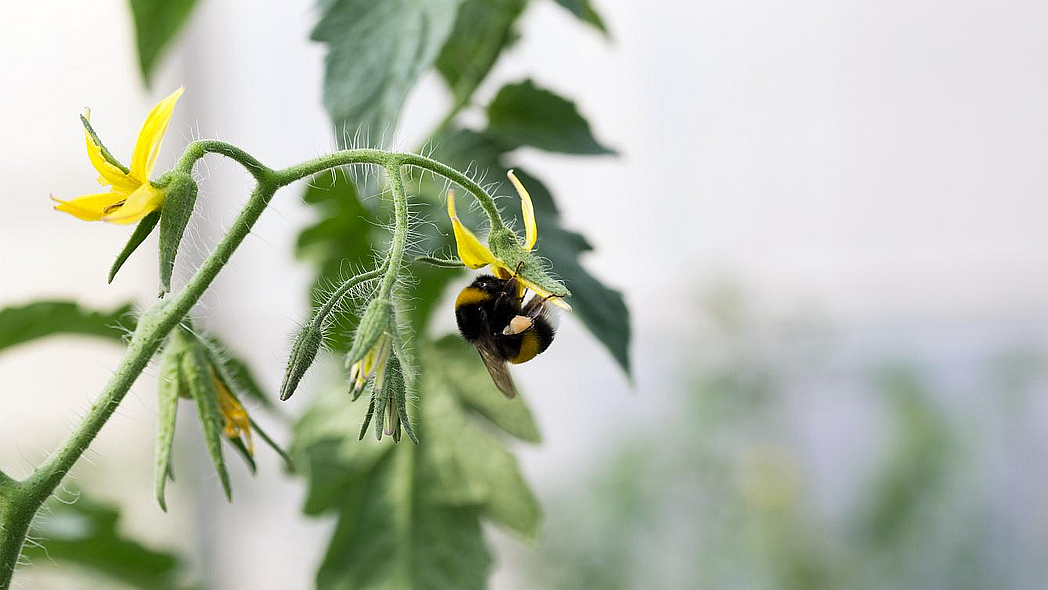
x,y
245,453
505,246
142,231
108,155
222,371
180,198
368,416
233,371
197,372
288,463
303,353
390,399
440,262
373,323
170,383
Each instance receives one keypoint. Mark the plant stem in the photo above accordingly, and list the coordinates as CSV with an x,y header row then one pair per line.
x,y
395,259
16,513
20,500
147,339
390,160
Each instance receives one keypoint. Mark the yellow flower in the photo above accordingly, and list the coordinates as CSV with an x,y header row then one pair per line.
x,y
475,254
131,195
237,422
373,364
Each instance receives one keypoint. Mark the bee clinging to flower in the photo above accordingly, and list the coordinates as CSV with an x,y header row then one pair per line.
x,y
490,311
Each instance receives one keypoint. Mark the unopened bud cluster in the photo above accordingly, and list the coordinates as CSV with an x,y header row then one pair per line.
x,y
190,368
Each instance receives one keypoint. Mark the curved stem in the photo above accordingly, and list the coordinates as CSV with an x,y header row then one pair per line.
x,y
149,335
389,160
338,294
483,198
395,258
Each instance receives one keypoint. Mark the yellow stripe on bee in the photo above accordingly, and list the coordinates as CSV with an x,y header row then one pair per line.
x,y
529,347
472,296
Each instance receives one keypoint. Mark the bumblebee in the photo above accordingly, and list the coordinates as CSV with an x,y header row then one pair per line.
x,y
491,317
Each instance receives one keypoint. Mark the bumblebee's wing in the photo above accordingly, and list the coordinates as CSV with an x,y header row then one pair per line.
x,y
498,370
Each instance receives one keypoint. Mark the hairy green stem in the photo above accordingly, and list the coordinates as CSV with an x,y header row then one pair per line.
x,y
20,500
321,316
391,160
395,259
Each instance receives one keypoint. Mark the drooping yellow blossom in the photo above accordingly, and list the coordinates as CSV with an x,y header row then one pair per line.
x,y
373,364
131,195
237,422
474,254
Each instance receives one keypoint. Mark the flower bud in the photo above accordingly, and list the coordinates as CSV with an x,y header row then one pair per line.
x,y
180,198
373,324
372,365
388,405
303,353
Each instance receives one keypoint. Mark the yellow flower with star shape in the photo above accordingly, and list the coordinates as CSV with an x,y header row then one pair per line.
x,y
131,195
474,254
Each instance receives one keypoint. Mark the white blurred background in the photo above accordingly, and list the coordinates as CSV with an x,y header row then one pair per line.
x,y
875,170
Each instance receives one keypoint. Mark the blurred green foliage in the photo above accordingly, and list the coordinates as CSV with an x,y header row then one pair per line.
x,y
20,324
732,490
85,534
156,24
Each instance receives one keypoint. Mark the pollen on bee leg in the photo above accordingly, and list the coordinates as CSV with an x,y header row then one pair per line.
x,y
517,325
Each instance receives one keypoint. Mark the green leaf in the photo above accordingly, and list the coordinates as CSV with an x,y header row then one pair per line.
x,y
376,52
584,11
476,391
20,324
468,466
523,114
142,231
156,23
86,534
483,30
409,517
401,539
340,242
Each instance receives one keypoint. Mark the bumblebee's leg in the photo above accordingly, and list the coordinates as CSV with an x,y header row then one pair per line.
x,y
508,290
536,305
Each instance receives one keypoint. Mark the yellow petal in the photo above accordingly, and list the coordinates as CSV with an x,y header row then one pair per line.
x,y
559,302
234,415
152,134
108,173
472,252
89,207
142,202
531,231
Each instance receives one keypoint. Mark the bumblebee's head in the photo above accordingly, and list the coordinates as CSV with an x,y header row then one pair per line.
x,y
493,285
